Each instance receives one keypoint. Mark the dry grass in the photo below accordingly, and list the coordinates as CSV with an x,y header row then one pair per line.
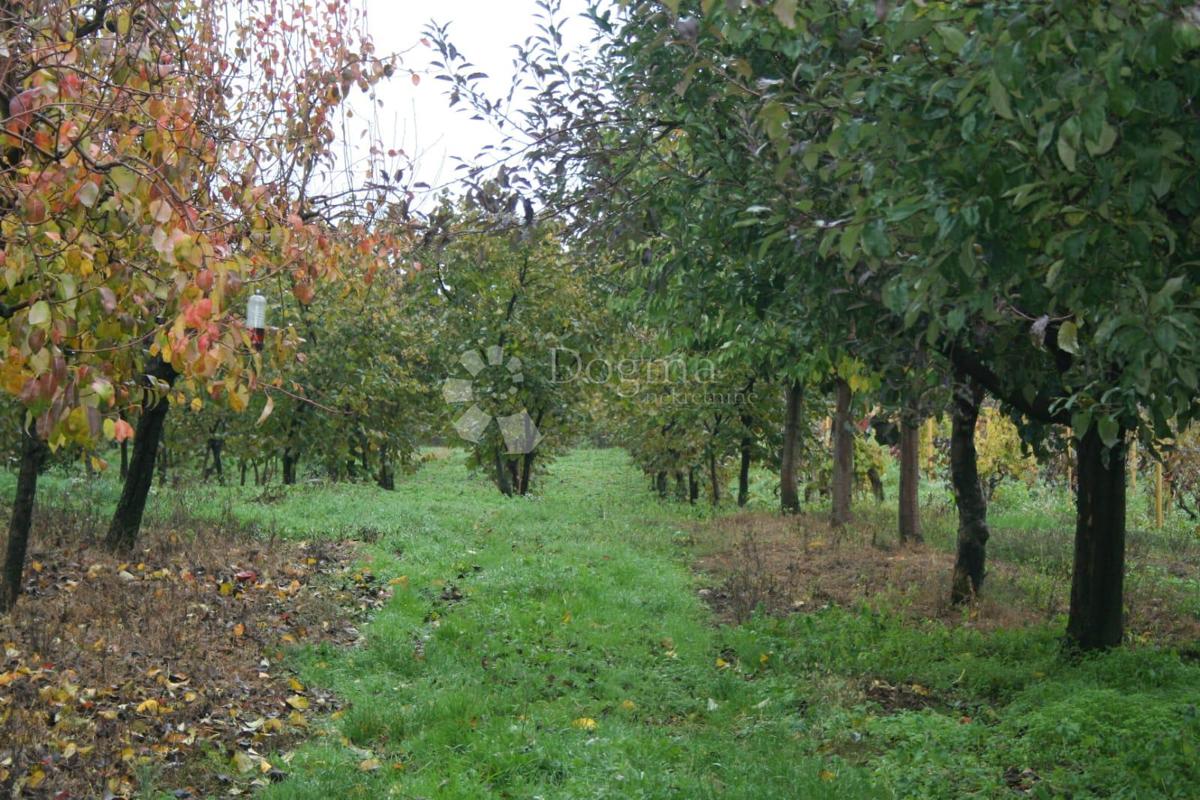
x,y
164,668
800,564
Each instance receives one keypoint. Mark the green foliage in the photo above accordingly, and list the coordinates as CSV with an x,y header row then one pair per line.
x,y
515,297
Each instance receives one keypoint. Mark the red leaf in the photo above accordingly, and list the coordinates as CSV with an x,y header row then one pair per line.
x,y
122,430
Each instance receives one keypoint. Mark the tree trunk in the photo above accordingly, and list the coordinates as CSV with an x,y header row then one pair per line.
x,y
290,461
387,476
526,473
660,483
968,496
215,445
876,484
33,452
127,519
242,468
789,497
680,486
743,495
693,486
503,478
714,477
843,456
910,479
1096,618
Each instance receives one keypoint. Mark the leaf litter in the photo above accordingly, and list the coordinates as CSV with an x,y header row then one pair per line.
x,y
168,667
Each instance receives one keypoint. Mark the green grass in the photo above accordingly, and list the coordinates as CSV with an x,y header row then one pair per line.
x,y
579,604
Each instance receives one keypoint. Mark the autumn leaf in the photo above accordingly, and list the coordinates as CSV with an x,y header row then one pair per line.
x,y
122,430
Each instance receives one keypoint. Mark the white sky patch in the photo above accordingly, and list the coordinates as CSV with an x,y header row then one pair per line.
x,y
417,119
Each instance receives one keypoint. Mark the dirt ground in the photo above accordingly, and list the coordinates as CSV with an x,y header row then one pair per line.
x,y
800,564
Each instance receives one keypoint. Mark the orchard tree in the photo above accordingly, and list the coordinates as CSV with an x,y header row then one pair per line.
x,y
1025,196
516,317
155,153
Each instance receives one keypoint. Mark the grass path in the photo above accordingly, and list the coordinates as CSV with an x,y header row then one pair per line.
x,y
555,647
577,663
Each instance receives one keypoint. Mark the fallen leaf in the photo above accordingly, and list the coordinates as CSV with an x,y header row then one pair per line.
x,y
243,762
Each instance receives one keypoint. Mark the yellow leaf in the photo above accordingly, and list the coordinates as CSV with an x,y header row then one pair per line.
x,y
826,775
226,589
148,707
369,764
585,724
722,664
36,776
239,630
296,685
566,617
242,762
628,705
297,702
267,409
402,582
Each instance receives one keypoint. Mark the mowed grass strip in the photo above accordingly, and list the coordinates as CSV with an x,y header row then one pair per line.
x,y
551,647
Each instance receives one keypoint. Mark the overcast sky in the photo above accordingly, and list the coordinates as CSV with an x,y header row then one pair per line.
x,y
417,119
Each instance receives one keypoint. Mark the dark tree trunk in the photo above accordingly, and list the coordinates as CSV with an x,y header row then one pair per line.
x,y
33,452
876,484
1096,618
843,456
743,495
387,476
693,486
680,486
127,519
714,477
660,483
526,473
514,474
215,445
290,461
789,497
910,479
968,496
242,468
503,477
